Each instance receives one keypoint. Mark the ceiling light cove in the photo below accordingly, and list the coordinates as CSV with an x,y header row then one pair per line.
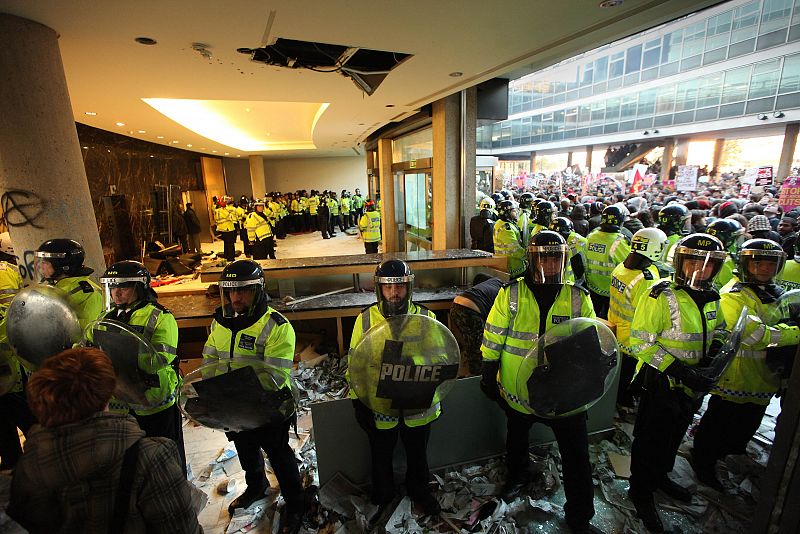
x,y
290,124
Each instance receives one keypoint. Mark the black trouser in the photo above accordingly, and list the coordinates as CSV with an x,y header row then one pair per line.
x,y
14,413
600,304
573,444
344,221
165,424
661,422
280,228
229,251
371,248
332,222
358,212
264,248
381,446
627,369
313,222
243,236
274,439
306,221
323,224
726,428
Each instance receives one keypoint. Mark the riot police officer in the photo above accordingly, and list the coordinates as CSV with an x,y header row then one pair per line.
x,y
259,233
672,220
507,237
577,249
370,226
730,232
673,334
524,310
130,300
394,284
246,325
226,219
543,214
524,219
59,262
741,397
630,281
606,247
789,277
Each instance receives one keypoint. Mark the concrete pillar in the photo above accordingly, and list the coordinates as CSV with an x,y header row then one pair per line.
x,y
683,152
666,159
533,162
569,159
469,148
588,167
719,146
447,172
45,193
257,180
388,217
787,152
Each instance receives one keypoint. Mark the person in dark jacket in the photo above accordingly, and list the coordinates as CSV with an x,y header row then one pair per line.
x,y
578,217
193,228
481,231
596,213
74,464
758,227
323,217
179,229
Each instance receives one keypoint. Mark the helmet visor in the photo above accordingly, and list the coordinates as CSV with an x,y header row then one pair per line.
x,y
761,266
696,268
46,265
547,263
122,291
239,297
394,294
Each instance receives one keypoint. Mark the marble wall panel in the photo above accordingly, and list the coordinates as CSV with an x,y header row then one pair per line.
x,y
120,165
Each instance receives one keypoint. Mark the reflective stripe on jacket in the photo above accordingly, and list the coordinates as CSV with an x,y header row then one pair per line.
x,y
370,226
628,286
508,242
257,227
604,251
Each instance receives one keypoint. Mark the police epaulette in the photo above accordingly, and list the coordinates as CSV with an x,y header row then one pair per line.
x,y
659,288
365,308
161,307
512,282
647,275
422,310
582,288
737,288
85,286
278,318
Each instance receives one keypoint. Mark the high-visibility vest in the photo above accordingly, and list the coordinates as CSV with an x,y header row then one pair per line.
x,y
370,226
604,251
258,227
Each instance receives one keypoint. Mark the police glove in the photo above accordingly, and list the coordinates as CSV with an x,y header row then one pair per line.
x,y
489,380
692,377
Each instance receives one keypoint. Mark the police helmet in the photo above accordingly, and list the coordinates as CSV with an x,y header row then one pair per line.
x,y
507,211
241,288
127,274
547,258
563,226
729,231
7,248
596,208
611,219
64,255
672,218
497,197
487,204
760,260
506,194
369,205
526,200
650,243
545,211
698,259
393,273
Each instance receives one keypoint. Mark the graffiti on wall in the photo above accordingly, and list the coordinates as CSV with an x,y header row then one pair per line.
x,y
22,208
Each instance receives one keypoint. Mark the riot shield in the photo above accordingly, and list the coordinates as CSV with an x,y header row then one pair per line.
x,y
40,324
233,395
135,361
781,359
568,369
720,362
404,365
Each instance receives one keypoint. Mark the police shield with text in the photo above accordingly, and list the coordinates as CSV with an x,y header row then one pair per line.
x,y
399,365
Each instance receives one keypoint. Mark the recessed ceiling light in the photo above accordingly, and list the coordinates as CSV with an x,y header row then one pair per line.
x,y
611,3
190,146
86,148
227,153
152,156
92,113
142,131
214,151
456,74
175,142
145,41
247,110
159,137
238,155
120,124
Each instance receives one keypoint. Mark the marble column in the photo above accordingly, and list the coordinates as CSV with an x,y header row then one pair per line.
x,y
787,152
257,180
719,146
388,218
666,158
446,172
45,193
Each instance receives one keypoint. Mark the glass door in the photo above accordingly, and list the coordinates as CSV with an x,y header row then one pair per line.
x,y
414,208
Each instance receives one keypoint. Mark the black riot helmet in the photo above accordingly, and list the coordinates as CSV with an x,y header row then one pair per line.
x,y
241,288
611,219
497,197
394,284
698,259
596,208
526,200
547,258
124,274
507,211
563,226
672,219
760,260
729,231
545,211
65,256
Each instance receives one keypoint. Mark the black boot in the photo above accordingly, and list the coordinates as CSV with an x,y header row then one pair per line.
x,y
707,474
429,504
250,495
675,490
646,510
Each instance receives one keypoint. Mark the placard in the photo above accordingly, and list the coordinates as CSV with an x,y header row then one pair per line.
x,y
686,179
790,193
